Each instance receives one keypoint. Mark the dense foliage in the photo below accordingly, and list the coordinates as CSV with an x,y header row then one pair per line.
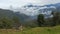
x,y
10,19
52,21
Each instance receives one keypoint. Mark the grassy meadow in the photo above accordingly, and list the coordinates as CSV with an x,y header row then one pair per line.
x,y
36,30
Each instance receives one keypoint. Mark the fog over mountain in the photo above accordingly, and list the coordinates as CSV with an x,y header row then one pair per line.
x,y
33,10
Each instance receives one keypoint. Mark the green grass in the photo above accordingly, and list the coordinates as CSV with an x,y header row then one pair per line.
x,y
37,30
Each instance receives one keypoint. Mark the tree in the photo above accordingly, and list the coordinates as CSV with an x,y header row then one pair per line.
x,y
40,19
56,18
6,23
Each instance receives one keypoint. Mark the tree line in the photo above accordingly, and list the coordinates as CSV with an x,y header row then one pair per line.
x,y
41,21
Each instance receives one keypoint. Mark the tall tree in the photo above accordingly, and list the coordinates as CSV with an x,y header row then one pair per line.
x,y
40,19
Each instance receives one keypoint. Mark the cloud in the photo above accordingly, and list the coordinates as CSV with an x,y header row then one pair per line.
x,y
18,3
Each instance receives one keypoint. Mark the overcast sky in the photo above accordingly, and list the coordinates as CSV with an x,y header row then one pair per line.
x,y
19,3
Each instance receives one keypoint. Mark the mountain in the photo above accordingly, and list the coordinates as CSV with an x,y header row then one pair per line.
x,y
28,13
22,16
6,13
33,10
10,14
